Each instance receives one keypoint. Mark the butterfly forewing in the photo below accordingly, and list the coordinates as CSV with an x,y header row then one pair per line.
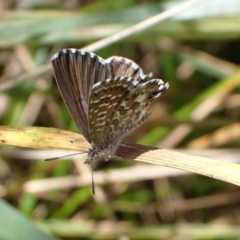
x,y
76,72
125,67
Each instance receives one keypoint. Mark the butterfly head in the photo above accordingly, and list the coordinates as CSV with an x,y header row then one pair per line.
x,y
95,154
106,153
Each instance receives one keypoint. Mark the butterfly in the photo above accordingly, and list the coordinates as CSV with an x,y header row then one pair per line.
x,y
107,99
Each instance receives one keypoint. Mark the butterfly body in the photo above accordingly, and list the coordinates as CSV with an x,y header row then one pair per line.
x,y
106,98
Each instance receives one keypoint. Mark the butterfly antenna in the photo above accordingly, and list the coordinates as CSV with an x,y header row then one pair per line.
x,y
56,158
93,186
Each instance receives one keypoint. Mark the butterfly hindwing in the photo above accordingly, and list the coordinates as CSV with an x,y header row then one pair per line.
x,y
104,100
133,109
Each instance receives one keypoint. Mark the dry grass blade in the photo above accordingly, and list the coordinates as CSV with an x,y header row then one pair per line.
x,y
229,172
49,138
141,26
43,138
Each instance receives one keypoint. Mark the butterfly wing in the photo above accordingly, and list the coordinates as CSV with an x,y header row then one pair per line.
x,y
134,108
104,100
125,67
76,72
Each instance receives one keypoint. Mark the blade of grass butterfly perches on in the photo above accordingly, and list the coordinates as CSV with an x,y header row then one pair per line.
x,y
107,99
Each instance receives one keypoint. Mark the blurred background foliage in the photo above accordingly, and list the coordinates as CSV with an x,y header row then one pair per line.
x,y
196,51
